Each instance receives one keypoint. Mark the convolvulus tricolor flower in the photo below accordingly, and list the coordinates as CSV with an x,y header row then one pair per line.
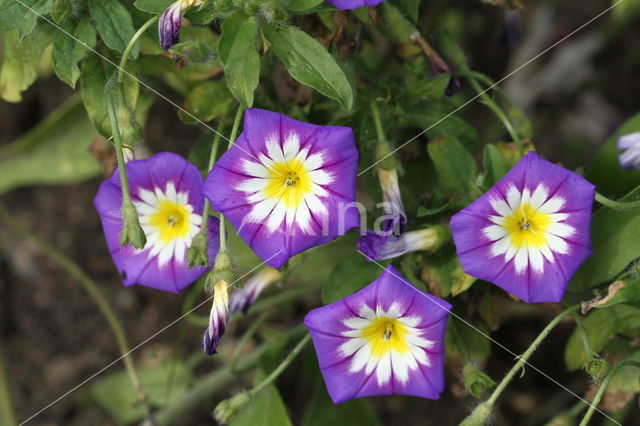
x,y
353,4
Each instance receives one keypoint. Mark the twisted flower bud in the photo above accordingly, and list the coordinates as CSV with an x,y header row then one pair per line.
x,y
374,247
171,20
242,299
218,318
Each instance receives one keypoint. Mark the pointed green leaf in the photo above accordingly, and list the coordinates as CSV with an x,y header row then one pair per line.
x,y
67,52
114,24
309,62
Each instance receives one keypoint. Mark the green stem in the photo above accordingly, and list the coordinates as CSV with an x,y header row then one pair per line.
x,y
232,139
212,159
92,288
617,205
7,414
243,341
132,42
603,387
117,141
375,112
522,360
585,337
283,365
493,106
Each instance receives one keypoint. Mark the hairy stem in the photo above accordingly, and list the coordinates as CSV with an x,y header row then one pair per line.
x,y
617,205
232,139
603,386
132,42
283,365
117,140
92,288
522,360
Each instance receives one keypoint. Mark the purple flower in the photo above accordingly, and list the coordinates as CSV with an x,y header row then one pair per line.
x,y
629,145
242,298
387,338
530,232
286,186
384,245
392,202
171,20
353,4
218,318
167,192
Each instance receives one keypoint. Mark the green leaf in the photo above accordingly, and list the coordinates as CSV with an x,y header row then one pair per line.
x,y
18,15
600,326
349,275
321,411
67,52
475,380
464,343
267,409
615,237
241,59
398,27
309,63
445,272
114,25
207,101
153,6
455,166
302,5
428,88
605,171
21,59
54,152
408,7
162,383
434,117
494,165
627,291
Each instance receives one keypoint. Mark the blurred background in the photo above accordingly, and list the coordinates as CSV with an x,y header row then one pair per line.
x,y
52,336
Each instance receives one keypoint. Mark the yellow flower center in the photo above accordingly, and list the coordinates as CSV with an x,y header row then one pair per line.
x,y
527,227
386,334
288,181
171,220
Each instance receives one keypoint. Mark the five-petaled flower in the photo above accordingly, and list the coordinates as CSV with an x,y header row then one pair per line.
x,y
167,192
629,146
354,4
530,232
285,185
387,338
171,21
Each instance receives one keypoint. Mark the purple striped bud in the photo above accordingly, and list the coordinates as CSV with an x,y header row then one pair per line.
x,y
171,20
242,299
217,319
629,146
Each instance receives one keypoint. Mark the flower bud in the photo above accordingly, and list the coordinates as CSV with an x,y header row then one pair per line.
x,y
227,410
479,416
242,299
597,368
218,318
476,381
131,230
629,151
171,21
427,239
197,253
392,202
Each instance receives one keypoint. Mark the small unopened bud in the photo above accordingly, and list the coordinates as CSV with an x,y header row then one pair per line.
x,y
222,271
242,299
197,254
429,239
479,416
476,381
273,11
597,368
171,21
227,410
218,318
392,201
131,232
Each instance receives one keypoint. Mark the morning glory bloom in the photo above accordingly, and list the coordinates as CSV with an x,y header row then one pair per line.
x,y
353,4
171,21
242,298
530,232
387,338
286,186
167,192
629,145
